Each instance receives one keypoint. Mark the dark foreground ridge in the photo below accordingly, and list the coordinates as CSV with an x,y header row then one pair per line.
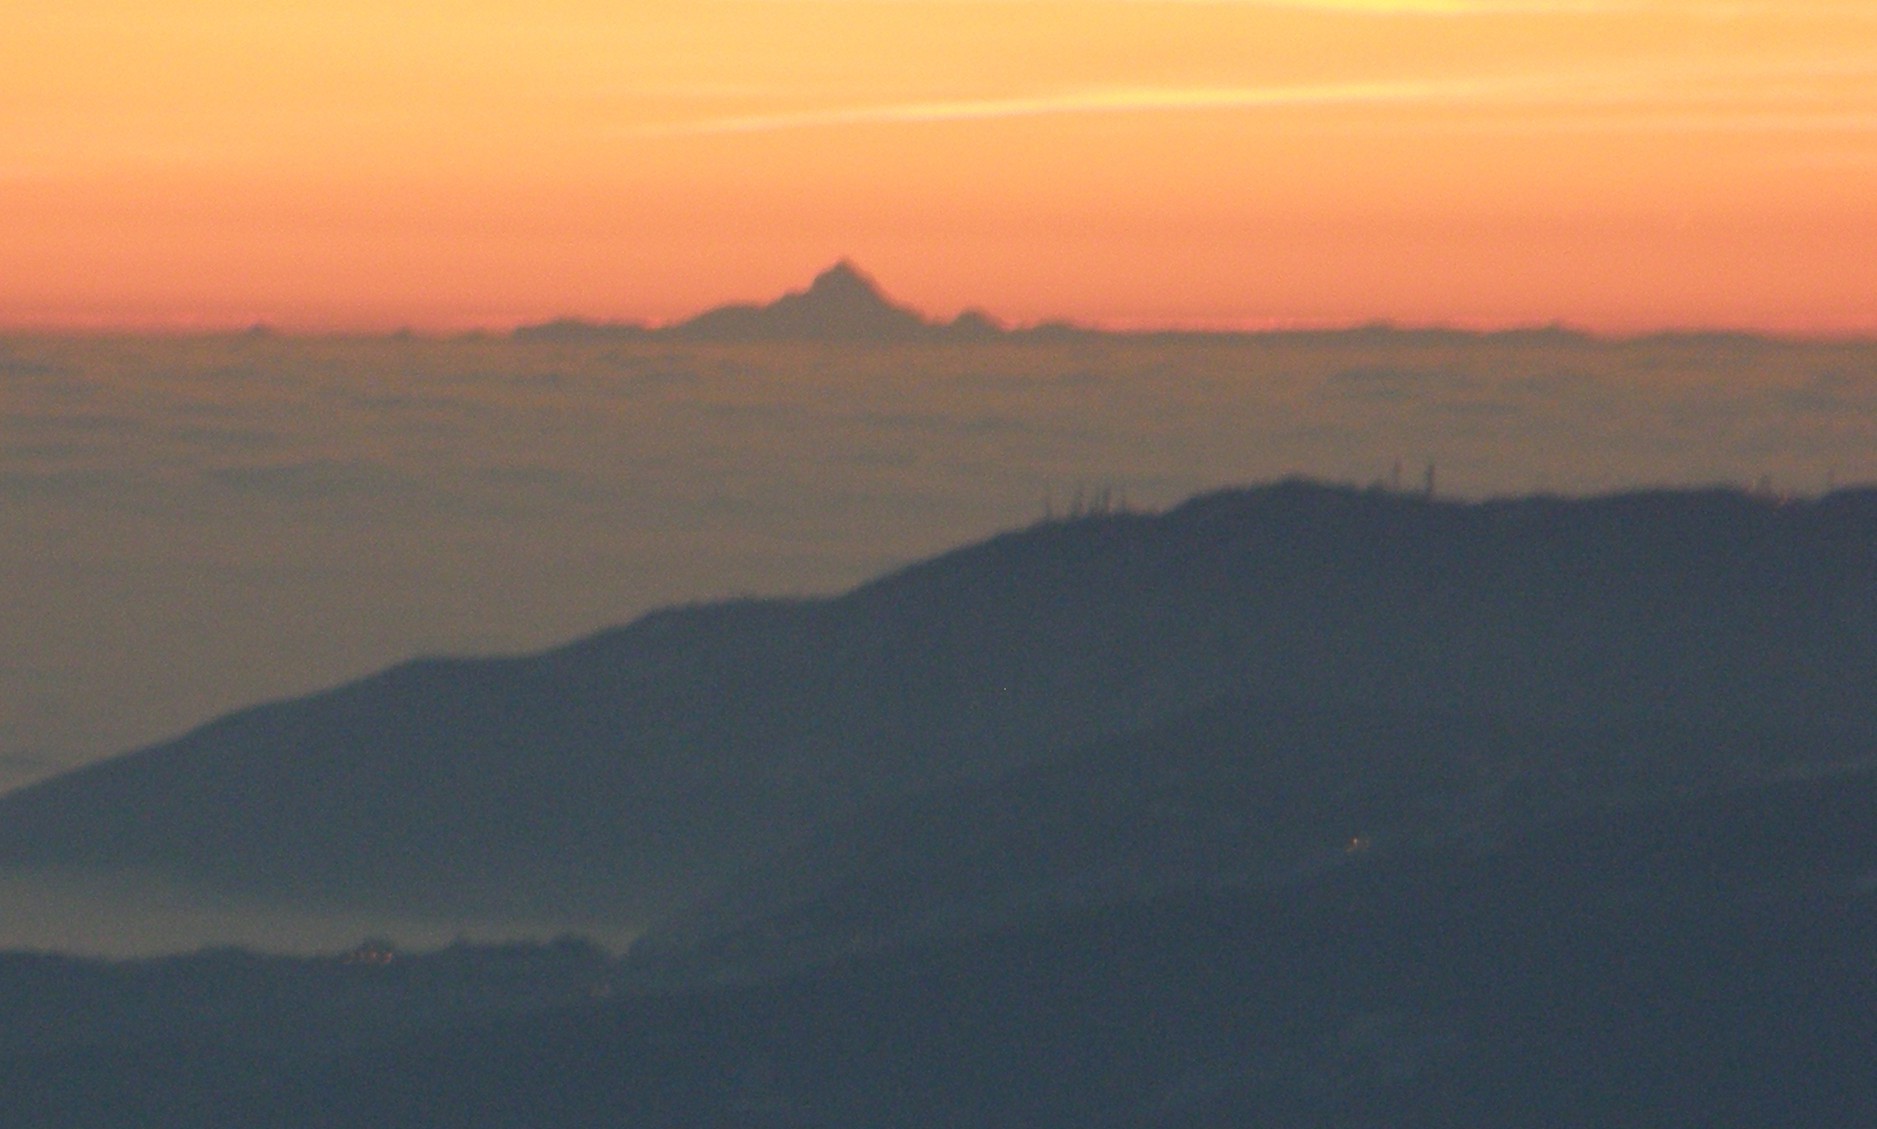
x,y
1298,806
1620,645
1696,961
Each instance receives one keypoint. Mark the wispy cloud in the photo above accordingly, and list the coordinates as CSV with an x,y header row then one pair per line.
x,y
1431,7
1794,122
1855,8
1721,8
1860,11
1094,101
1661,86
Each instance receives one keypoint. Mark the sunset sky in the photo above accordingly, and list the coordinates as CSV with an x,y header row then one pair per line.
x,y
1616,164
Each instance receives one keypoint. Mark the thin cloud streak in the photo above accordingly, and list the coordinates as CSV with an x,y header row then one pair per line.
x,y
1826,123
1435,7
1726,9
1565,90
1109,101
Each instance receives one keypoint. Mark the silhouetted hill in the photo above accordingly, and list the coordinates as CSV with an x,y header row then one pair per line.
x,y
1700,961
1236,794
289,1006
636,768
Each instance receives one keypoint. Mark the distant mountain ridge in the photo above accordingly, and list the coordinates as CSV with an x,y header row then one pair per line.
x,y
842,304
630,772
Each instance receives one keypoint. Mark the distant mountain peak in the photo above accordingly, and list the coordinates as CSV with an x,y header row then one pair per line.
x,y
846,281
842,303
844,291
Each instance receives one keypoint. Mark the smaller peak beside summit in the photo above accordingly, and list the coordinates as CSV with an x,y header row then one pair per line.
x,y
974,324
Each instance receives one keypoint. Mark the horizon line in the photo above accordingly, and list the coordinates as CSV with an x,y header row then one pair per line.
x,y
510,326
1043,331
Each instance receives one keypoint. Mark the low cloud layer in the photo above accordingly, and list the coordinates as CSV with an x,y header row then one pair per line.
x,y
196,524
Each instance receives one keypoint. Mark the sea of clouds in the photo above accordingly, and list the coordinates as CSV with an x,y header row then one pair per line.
x,y
189,525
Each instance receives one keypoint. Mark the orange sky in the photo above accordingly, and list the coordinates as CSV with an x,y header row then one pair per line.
x,y
1618,164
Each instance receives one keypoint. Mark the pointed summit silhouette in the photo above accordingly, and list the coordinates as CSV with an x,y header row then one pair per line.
x,y
845,282
842,304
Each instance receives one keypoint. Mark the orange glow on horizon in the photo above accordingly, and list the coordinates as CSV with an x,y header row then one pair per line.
x,y
1622,165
